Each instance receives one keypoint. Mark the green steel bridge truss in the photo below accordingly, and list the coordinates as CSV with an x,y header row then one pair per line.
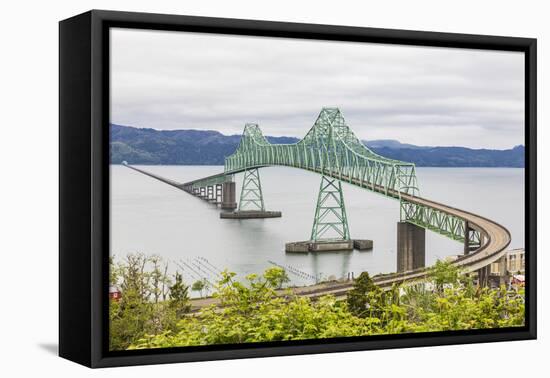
x,y
331,149
440,222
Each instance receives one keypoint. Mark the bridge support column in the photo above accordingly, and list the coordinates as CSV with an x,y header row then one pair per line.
x,y
411,246
228,196
219,192
483,276
472,239
466,239
210,193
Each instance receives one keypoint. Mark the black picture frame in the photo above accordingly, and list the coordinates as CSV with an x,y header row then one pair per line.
x,y
84,185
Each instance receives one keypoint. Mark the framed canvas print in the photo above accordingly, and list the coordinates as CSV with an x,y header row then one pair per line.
x,y
235,188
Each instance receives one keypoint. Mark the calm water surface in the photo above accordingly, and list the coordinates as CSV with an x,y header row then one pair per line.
x,y
154,218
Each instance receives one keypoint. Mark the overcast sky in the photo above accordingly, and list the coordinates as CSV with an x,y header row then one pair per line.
x,y
419,95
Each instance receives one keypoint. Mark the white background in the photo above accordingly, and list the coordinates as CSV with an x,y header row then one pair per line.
x,y
29,207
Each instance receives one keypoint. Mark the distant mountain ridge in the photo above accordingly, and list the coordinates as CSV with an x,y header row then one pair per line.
x,y
207,147
391,143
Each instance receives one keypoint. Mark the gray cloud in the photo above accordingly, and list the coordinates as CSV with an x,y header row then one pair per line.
x,y
426,96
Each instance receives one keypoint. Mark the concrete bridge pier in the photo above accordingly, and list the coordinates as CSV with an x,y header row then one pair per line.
x,y
228,196
411,246
218,194
210,193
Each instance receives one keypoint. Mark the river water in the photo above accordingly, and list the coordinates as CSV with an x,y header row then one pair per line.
x,y
154,218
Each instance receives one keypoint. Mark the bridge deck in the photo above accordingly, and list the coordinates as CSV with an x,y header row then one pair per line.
x,y
497,238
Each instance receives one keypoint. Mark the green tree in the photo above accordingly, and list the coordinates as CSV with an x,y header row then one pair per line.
x,y
199,286
160,281
276,277
140,310
365,299
113,272
179,296
443,273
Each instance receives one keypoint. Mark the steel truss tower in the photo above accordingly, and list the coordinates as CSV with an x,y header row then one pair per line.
x,y
330,221
251,191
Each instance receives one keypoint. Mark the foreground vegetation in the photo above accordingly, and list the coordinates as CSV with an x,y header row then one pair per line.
x,y
153,311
